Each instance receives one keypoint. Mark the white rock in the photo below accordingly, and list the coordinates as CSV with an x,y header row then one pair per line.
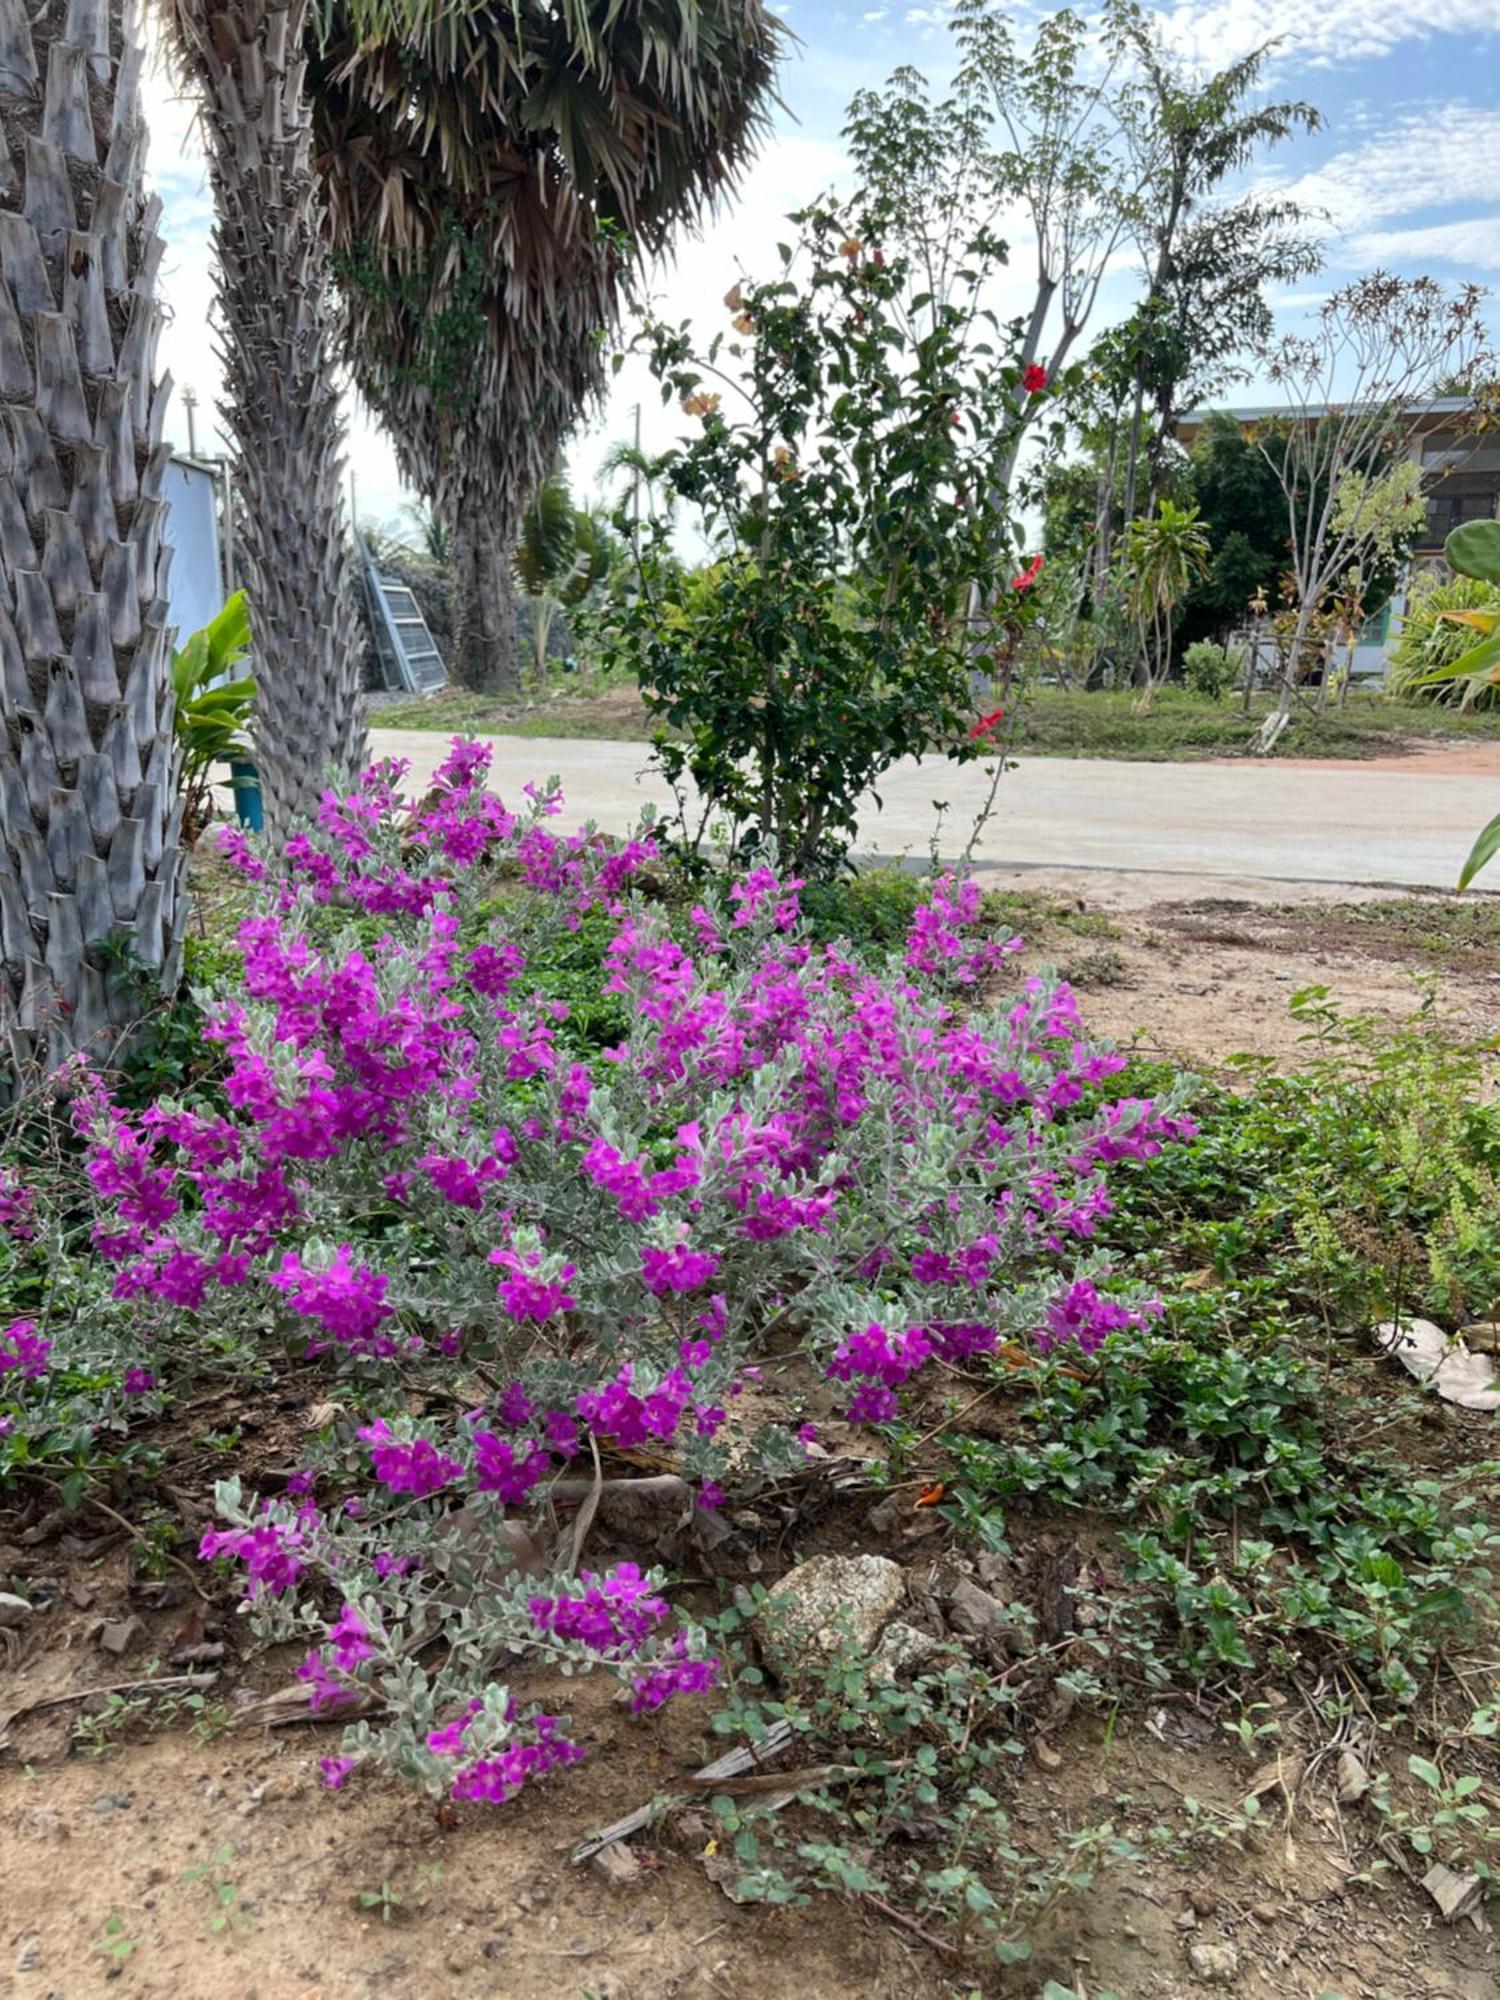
x,y
12,1610
829,1607
901,1650
1214,1964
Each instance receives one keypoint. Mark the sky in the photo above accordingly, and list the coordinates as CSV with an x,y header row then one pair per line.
x,y
1406,169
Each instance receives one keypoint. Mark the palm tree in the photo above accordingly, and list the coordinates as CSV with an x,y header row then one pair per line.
x,y
1159,560
277,321
564,552
491,171
92,908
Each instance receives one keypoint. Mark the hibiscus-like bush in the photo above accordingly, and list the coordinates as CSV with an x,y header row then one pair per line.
x,y
519,1260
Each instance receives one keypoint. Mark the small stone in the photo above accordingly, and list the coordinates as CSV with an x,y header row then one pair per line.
x,y
618,1863
31,1957
1203,1900
13,1610
1481,1336
108,1802
1214,1964
902,1648
1263,1913
120,1634
829,1608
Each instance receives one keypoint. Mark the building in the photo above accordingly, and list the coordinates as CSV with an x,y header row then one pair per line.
x,y
1465,473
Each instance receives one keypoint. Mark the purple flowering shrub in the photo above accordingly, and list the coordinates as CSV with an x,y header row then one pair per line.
x,y
415,1179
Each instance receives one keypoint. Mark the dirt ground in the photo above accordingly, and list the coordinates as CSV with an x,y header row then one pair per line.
x,y
1200,976
203,1860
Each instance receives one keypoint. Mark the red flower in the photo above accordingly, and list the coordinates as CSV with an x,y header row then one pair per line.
x,y
986,723
1028,575
1035,378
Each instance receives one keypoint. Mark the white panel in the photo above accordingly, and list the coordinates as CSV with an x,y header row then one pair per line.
x,y
195,585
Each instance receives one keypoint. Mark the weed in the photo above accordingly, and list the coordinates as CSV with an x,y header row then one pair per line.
x,y
907,1808
229,1913
116,1946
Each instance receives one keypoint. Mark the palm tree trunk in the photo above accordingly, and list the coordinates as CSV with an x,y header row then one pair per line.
x,y
92,908
485,655
279,323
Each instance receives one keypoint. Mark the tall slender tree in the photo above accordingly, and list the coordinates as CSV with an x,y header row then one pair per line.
x,y
277,322
493,173
92,909
1207,260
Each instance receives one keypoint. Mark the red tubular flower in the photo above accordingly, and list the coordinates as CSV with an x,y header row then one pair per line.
x,y
986,723
1028,575
1034,379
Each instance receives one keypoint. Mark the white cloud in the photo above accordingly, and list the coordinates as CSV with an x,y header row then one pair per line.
x,y
1473,245
1317,35
1427,156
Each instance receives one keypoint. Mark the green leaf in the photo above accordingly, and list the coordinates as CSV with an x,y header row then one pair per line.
x,y
1427,1771
1481,853
1474,550
1479,659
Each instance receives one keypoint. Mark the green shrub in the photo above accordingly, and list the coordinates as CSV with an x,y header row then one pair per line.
x,y
1427,640
1211,669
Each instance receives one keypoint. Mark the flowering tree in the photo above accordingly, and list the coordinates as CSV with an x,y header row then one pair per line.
x,y
525,1260
841,469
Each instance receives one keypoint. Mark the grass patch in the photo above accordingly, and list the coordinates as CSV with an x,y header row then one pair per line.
x,y
1054,722
1183,726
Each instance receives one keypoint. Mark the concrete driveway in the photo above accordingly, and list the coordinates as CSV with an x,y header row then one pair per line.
x,y
1391,823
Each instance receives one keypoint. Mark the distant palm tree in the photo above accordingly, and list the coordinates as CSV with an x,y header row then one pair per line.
x,y
1159,560
490,173
277,322
92,909
563,554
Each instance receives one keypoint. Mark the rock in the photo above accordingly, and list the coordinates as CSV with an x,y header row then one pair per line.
x,y
828,1608
13,1611
1481,1336
902,1648
975,1615
31,1957
120,1634
1455,1895
617,1862
1214,1964
1353,1777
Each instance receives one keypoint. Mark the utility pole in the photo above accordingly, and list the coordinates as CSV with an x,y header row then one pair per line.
x,y
190,404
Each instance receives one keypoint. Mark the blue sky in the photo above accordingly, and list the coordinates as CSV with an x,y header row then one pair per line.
x,y
1407,168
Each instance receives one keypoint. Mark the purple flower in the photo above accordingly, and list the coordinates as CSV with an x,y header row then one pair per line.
x,y
139,1381
678,1269
23,1349
416,1466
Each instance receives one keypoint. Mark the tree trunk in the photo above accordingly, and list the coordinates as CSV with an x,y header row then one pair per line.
x,y
484,591
279,325
92,908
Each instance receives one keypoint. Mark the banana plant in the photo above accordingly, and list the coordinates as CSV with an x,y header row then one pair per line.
x,y
1474,550
212,709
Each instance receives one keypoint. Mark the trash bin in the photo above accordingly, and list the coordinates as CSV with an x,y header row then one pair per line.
x,y
247,800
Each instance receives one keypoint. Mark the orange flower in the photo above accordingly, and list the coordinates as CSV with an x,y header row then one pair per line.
x,y
702,405
734,298
743,323
851,247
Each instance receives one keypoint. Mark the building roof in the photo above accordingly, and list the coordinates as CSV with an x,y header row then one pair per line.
x,y
1260,413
